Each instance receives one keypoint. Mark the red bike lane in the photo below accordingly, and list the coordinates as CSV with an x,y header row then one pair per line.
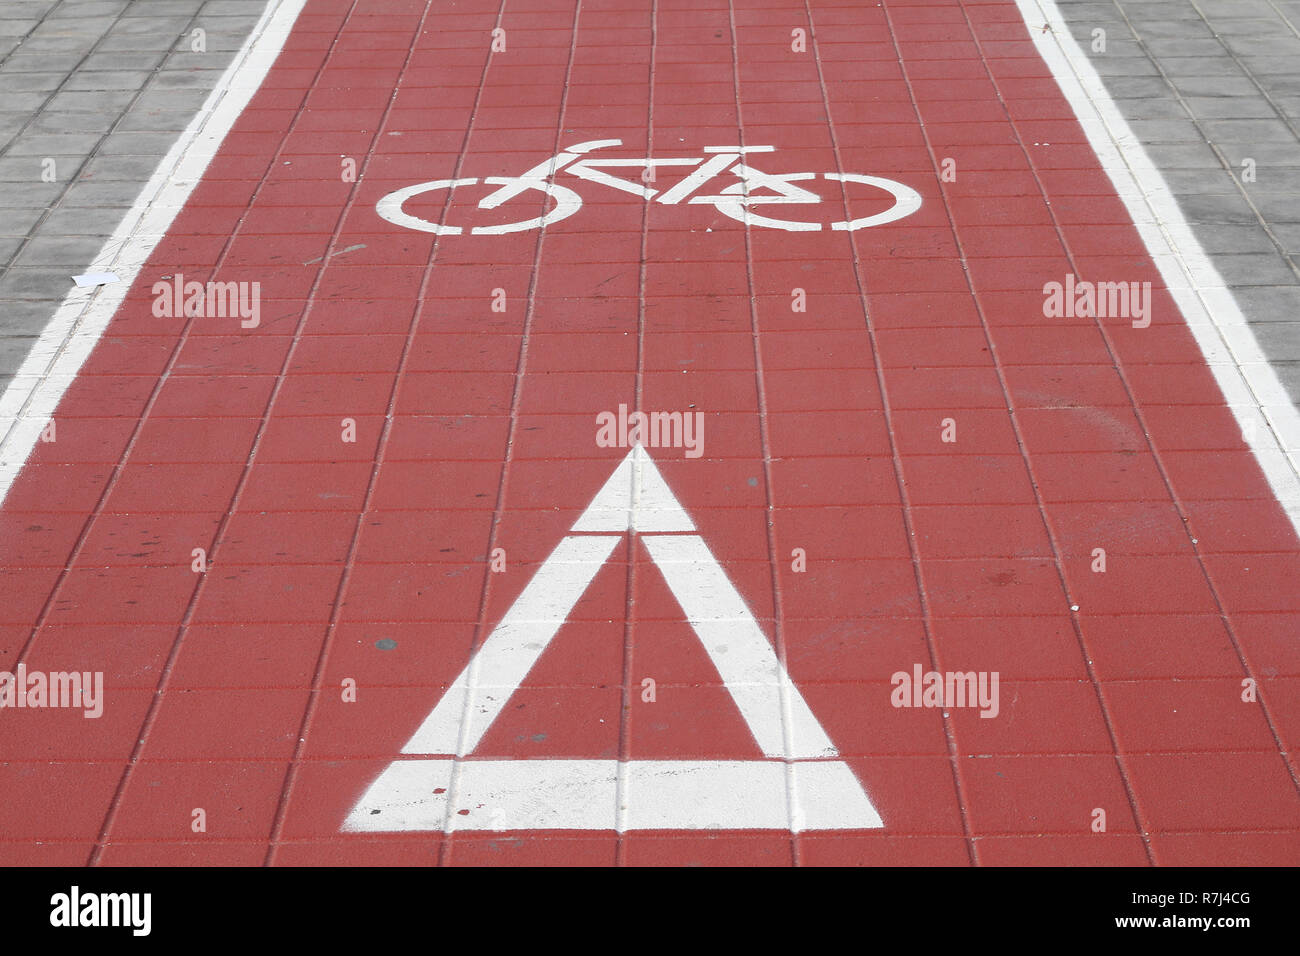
x,y
907,462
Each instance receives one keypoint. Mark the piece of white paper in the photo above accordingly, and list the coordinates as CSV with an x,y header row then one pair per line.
x,y
95,278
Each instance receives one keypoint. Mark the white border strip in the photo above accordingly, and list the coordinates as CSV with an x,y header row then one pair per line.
x,y
423,795
63,346
1269,421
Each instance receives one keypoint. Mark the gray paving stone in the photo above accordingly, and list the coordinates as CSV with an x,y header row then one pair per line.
x,y
102,195
96,8
150,26
1213,209
26,9
186,80
1262,269
1263,46
53,144
37,45
164,8
133,62
24,62
1231,27
228,7
133,143
1200,182
10,124
91,102
110,80
1174,47
1137,87
85,29
1261,9
1271,304
1270,64
188,60
145,42
1166,131
1276,179
23,282
1289,105
1184,156
17,28
66,122
1249,130
1289,375
17,220
28,83
1157,108
13,351
1279,207
31,169
1283,85
222,38
1230,238
229,23
31,194
1116,45
1174,29
1209,87
29,316
67,252
190,100
29,102
155,120
1279,340
1180,66
1231,107
1140,13
83,222
1289,235
1264,154
9,246
1124,66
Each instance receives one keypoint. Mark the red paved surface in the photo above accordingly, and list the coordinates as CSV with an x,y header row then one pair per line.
x,y
475,430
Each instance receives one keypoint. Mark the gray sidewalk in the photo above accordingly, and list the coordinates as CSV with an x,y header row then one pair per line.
x,y
92,94
1212,88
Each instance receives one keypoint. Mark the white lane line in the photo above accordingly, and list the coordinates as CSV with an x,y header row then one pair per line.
x,y
1269,421
58,354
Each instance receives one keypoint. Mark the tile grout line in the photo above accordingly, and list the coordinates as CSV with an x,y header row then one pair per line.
x,y
778,614
900,476
316,688
187,615
1058,558
1177,501
630,606
498,510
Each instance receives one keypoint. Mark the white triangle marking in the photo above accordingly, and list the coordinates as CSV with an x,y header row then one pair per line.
x,y
794,788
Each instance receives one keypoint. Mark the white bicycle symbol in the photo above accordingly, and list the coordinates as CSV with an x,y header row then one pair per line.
x,y
734,200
